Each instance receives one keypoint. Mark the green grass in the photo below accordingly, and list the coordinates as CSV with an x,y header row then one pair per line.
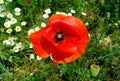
x,y
103,18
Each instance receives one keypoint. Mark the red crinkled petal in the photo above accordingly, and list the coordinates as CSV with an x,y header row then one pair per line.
x,y
55,18
74,44
35,39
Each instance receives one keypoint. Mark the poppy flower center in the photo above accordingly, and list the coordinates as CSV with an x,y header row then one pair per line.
x,y
59,36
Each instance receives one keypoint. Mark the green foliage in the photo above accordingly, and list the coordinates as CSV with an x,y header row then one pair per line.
x,y
103,22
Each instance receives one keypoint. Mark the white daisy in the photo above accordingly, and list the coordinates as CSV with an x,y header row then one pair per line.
x,y
31,45
72,11
37,28
19,45
2,29
13,21
45,16
18,29
48,11
83,13
89,35
9,30
39,58
17,9
11,38
63,13
69,14
7,24
6,42
9,15
12,43
16,49
57,12
1,1
86,23
30,31
17,13
23,23
51,57
2,14
31,56
43,24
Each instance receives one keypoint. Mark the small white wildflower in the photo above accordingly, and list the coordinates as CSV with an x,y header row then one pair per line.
x,y
69,14
100,41
1,1
39,58
30,31
31,45
16,49
83,13
7,24
13,21
12,43
17,13
11,38
48,11
43,24
6,42
23,23
18,29
31,56
116,24
19,45
9,30
89,35
9,15
37,28
31,74
57,12
63,13
86,23
51,57
17,9
2,15
45,16
72,11
2,29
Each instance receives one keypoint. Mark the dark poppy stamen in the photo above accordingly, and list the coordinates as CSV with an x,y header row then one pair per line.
x,y
59,36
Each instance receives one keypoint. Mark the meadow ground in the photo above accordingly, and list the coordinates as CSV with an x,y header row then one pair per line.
x,y
20,18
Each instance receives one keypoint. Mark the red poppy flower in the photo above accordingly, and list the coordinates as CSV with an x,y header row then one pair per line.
x,y
64,39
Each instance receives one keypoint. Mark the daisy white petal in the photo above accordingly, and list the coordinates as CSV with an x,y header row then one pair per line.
x,y
31,56
45,16
16,49
30,31
18,29
39,58
43,24
7,24
48,11
13,21
1,1
23,23
72,11
37,28
9,30
17,9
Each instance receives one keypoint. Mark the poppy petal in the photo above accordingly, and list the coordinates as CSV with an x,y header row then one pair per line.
x,y
35,39
56,17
